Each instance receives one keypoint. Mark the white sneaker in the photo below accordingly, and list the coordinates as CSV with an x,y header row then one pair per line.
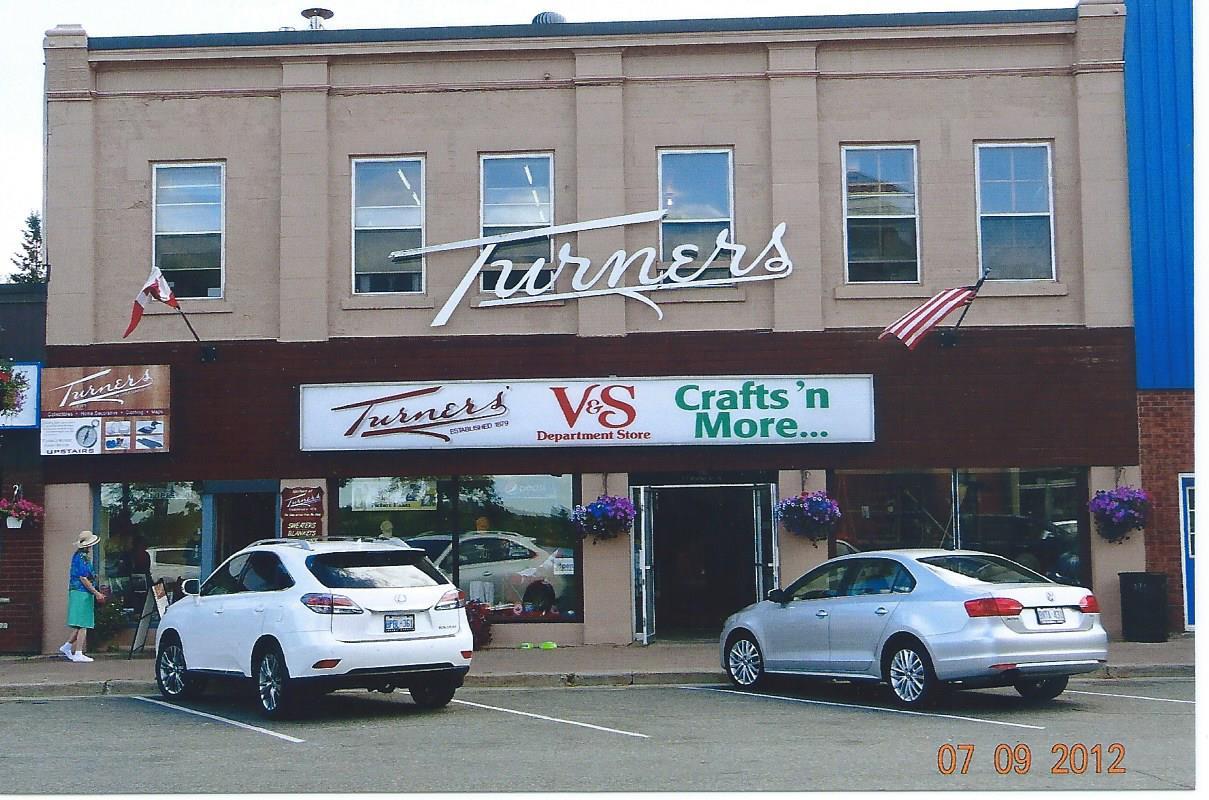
x,y
66,649
80,657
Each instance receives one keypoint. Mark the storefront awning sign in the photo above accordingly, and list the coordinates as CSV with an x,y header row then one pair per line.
x,y
598,412
630,275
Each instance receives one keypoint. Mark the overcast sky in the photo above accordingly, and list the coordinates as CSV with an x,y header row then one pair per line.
x,y
24,24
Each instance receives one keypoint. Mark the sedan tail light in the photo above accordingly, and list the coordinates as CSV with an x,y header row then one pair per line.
x,y
454,598
1089,605
331,604
994,607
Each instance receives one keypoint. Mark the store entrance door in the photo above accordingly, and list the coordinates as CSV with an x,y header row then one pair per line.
x,y
235,514
702,553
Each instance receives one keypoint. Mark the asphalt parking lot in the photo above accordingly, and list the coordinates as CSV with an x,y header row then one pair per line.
x,y
1101,734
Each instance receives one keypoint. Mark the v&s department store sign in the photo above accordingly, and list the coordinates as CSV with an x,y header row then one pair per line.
x,y
783,409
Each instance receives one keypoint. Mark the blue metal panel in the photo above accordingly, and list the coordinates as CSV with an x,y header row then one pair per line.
x,y
1158,110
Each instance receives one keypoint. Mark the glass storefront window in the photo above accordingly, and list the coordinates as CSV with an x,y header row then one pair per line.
x,y
149,532
1035,517
1030,516
507,540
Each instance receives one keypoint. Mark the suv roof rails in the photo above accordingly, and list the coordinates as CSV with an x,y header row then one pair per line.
x,y
301,543
374,539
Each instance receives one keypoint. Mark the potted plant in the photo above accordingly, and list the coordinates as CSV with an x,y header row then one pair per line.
x,y
813,515
12,388
605,517
15,512
1119,511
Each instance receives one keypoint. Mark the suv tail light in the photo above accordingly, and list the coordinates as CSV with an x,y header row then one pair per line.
x,y
331,604
454,598
1089,605
993,607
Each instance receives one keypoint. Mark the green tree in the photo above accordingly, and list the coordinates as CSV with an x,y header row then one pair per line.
x,y
29,263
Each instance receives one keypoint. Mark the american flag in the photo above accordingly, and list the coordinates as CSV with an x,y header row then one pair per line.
x,y
156,288
915,324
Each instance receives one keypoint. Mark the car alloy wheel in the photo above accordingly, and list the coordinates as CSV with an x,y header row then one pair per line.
x,y
910,675
744,664
271,683
170,670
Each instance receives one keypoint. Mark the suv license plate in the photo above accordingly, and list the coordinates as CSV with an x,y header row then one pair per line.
x,y
1050,616
399,623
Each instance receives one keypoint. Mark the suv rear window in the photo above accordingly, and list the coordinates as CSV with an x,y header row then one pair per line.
x,y
375,569
986,568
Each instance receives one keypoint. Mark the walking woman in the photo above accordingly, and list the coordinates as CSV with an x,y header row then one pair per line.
x,y
82,596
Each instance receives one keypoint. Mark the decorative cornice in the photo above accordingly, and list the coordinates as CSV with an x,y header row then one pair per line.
x,y
607,80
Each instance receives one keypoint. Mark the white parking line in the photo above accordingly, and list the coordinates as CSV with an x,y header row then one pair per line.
x,y
236,723
552,719
1134,697
865,708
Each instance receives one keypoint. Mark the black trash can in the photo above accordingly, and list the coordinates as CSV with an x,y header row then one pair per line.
x,y
1143,606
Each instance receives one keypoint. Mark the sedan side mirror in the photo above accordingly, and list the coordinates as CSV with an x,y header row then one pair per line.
x,y
778,596
191,586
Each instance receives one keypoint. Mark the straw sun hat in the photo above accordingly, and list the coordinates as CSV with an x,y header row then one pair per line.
x,y
87,539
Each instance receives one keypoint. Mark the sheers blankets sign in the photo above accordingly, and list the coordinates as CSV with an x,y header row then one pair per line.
x,y
613,276
785,409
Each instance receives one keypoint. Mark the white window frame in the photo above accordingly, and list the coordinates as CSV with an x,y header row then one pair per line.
x,y
919,257
483,158
353,228
1049,168
730,196
156,166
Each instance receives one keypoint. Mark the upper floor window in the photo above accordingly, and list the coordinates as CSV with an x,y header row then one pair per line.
x,y
696,188
188,221
1015,211
517,194
881,222
388,216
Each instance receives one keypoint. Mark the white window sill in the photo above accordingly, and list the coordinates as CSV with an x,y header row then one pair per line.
x,y
700,294
994,288
386,302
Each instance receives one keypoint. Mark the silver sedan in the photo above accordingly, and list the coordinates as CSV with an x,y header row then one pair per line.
x,y
920,621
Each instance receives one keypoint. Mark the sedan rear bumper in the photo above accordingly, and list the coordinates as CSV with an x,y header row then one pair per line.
x,y
987,650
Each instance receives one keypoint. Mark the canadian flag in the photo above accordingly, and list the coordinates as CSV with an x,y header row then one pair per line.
x,y
155,288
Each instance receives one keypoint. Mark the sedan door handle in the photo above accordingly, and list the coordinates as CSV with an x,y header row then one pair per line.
x,y
487,574
259,609
881,612
820,613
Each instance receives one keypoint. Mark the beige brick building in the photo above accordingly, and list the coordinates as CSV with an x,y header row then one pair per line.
x,y
271,175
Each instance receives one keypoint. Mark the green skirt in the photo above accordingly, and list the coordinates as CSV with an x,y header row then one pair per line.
x,y
80,610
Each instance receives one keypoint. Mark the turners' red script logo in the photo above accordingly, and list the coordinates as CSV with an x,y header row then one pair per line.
x,y
388,415
607,405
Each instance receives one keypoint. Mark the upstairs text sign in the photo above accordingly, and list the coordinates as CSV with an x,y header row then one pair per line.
x,y
783,409
105,410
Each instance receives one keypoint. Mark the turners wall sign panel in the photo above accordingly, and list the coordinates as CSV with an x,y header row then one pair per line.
x,y
105,410
781,409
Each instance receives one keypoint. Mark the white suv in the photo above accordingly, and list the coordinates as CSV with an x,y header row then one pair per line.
x,y
304,618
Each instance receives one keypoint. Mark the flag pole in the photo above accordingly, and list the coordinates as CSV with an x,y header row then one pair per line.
x,y
190,324
966,310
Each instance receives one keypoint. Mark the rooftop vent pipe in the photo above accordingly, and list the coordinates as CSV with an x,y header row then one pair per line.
x,y
316,16
549,18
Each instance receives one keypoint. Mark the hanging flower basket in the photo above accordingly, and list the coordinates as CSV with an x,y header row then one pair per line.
x,y
15,512
606,517
1119,511
813,515
12,388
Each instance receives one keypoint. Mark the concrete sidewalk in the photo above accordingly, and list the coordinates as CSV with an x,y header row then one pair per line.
x,y
588,665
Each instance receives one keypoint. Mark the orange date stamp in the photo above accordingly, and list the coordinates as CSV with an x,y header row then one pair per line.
x,y
1068,759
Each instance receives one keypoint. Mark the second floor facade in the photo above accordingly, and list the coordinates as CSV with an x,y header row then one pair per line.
x,y
796,174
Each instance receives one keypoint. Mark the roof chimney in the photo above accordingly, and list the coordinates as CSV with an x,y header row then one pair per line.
x,y
316,16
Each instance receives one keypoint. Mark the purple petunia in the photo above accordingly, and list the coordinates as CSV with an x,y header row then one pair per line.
x,y
812,514
604,517
1120,510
